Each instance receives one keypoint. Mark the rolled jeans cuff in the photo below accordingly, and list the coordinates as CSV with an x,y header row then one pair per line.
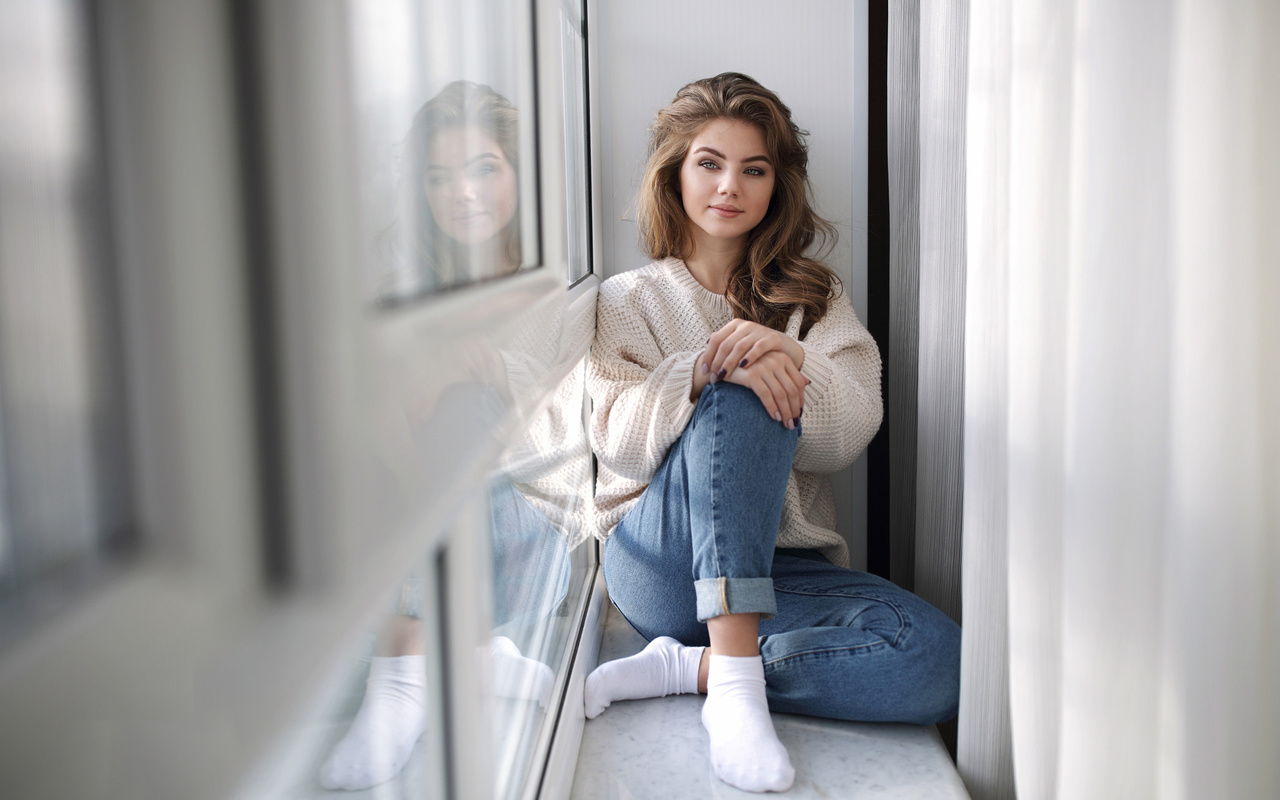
x,y
720,596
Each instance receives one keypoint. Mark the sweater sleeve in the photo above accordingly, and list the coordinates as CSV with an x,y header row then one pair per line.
x,y
640,395
842,405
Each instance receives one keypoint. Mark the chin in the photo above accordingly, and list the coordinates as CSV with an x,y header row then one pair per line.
x,y
472,235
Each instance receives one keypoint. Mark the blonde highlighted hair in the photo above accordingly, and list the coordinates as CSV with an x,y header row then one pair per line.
x,y
777,272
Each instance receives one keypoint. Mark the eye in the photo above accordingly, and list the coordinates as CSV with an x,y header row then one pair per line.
x,y
437,180
482,169
708,164
754,171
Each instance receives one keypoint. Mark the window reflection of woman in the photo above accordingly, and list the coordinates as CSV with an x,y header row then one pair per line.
x,y
458,185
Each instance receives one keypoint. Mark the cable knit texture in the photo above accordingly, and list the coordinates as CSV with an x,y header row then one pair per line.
x,y
651,325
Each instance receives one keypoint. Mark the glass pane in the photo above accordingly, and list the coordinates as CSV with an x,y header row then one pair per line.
x,y
540,563
378,729
64,491
382,724
445,138
576,158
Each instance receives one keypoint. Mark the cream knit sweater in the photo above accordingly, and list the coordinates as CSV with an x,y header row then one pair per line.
x,y
651,325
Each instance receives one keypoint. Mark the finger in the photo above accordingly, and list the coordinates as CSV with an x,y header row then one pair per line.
x,y
754,380
769,376
769,341
781,401
713,344
713,348
787,384
759,348
755,383
739,356
721,365
795,394
800,382
792,380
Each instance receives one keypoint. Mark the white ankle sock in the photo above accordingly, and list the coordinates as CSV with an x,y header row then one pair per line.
x,y
663,667
516,676
745,751
390,721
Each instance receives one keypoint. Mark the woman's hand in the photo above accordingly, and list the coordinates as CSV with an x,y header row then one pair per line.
x,y
777,382
742,343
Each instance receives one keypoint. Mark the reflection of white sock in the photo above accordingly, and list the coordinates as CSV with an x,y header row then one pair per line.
x,y
745,751
663,667
517,677
391,719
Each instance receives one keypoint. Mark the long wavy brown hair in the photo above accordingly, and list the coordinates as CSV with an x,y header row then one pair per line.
x,y
779,269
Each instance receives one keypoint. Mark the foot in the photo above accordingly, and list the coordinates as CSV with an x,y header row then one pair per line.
x,y
663,667
516,676
745,751
390,721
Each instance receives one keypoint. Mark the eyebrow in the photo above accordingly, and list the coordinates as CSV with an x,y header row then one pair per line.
x,y
718,154
472,160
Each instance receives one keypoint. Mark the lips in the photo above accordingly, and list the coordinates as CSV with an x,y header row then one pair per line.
x,y
727,211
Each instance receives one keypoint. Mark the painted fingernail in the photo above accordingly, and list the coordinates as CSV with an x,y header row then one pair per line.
x,y
791,424
705,368
800,414
720,375
777,416
795,422
742,363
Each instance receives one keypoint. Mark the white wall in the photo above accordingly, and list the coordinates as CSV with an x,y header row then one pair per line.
x,y
813,54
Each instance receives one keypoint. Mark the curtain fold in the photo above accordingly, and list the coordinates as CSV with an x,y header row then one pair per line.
x,y
901,371
984,753
1122,448
939,467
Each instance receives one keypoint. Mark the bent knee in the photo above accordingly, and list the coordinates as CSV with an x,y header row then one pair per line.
x,y
936,669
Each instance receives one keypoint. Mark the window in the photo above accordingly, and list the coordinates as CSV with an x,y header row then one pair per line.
x,y
65,503
470,426
335,435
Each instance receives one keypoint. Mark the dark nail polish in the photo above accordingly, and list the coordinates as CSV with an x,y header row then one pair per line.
x,y
720,375
795,422
801,414
742,363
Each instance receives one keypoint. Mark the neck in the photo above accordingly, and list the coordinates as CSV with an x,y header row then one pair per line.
x,y
712,260
492,259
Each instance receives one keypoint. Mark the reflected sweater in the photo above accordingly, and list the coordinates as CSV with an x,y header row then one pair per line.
x,y
651,325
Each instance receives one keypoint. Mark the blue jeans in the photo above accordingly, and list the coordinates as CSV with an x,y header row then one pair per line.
x,y
700,542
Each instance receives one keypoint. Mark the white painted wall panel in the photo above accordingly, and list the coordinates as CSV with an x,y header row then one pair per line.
x,y
813,54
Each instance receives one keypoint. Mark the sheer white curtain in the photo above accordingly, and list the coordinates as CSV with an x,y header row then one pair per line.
x,y
1122,421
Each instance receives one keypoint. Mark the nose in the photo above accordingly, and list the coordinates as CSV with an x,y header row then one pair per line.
x,y
728,183
465,191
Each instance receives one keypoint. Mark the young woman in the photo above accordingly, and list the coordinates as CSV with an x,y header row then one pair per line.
x,y
729,378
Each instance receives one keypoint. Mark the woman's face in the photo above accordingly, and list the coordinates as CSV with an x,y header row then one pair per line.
x,y
471,186
726,180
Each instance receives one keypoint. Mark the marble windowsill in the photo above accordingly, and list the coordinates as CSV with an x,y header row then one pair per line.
x,y
657,750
